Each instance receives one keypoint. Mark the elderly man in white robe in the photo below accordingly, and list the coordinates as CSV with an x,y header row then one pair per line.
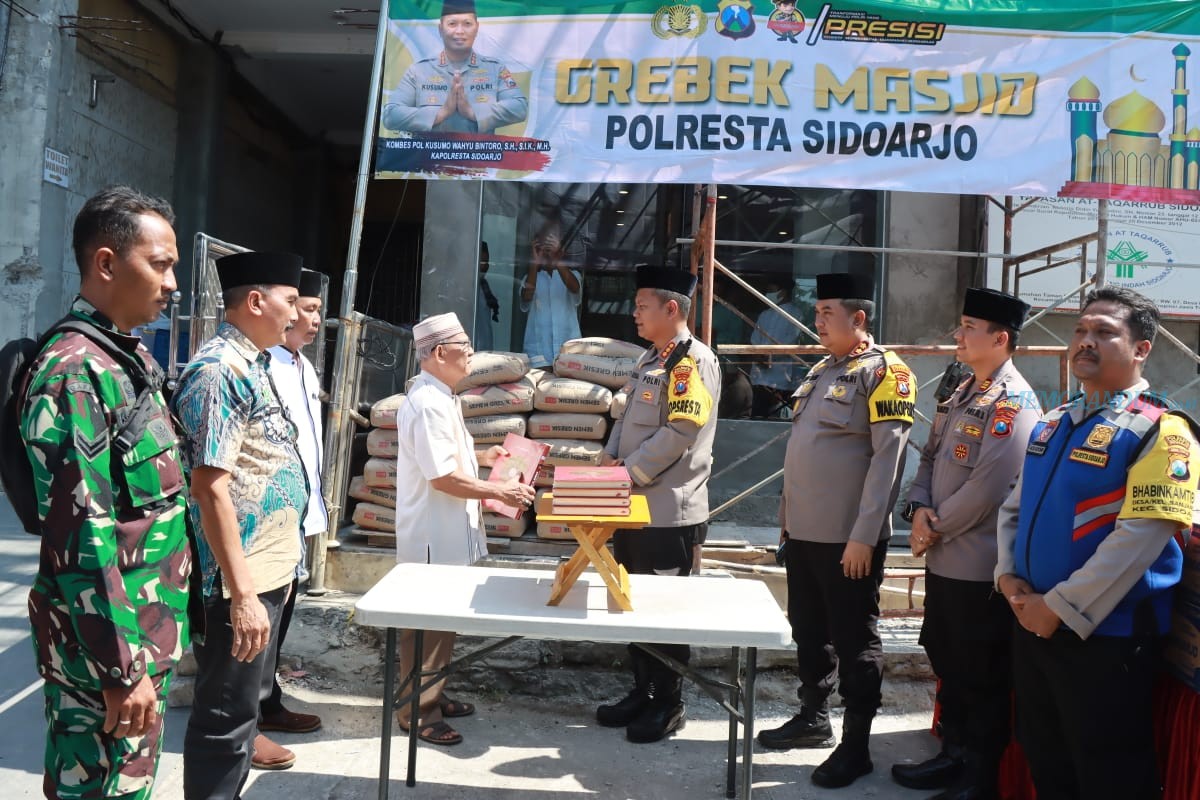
x,y
438,490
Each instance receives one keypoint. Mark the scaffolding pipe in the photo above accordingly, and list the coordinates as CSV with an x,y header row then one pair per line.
x,y
770,304
1101,243
710,254
338,433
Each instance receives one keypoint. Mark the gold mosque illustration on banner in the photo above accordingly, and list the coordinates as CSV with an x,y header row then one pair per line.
x,y
1132,162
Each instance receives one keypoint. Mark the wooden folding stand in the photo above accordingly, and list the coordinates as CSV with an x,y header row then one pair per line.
x,y
592,534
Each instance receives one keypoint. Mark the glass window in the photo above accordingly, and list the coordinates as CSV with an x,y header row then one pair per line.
x,y
559,263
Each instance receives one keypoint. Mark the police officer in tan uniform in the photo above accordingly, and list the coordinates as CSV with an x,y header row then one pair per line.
x,y
458,90
665,440
968,466
845,455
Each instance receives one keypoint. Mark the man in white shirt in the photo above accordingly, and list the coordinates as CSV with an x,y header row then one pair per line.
x,y
438,489
300,393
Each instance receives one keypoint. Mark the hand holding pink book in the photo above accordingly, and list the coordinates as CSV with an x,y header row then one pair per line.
x,y
520,464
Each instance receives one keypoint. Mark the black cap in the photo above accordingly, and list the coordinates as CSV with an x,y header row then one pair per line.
x,y
267,269
993,306
667,279
311,283
458,7
845,286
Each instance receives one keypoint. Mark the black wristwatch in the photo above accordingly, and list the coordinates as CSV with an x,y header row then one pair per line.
x,y
910,510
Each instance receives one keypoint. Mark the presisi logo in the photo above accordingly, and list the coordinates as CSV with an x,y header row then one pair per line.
x,y
860,26
735,18
679,20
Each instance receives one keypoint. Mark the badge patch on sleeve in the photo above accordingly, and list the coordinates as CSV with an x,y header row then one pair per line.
x,y
687,397
1162,483
895,398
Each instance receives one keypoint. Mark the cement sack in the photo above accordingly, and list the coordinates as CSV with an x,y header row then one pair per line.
x,y
611,372
491,367
573,452
383,412
554,530
380,472
383,442
536,376
496,525
379,495
375,517
619,402
503,398
569,394
602,346
567,426
492,429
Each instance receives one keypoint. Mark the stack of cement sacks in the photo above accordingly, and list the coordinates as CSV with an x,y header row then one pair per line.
x,y
573,407
375,489
496,400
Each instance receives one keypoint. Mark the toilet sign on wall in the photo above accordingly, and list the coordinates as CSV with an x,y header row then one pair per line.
x,y
56,168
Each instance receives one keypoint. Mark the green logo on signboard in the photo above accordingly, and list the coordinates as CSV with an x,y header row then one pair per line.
x,y
1126,256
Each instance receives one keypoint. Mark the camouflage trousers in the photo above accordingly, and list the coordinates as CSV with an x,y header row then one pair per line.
x,y
85,763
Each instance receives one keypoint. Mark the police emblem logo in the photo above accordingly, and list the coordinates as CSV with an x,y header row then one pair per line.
x,y
679,20
880,371
1002,422
1100,437
1179,450
1045,431
961,452
903,379
482,98
735,19
837,391
506,79
647,397
432,100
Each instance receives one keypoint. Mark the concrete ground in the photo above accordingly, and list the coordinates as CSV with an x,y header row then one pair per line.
x,y
519,745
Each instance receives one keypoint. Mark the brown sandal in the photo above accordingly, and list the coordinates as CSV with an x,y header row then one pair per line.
x,y
439,733
455,708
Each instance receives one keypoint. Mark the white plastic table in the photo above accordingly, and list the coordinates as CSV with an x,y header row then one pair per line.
x,y
511,603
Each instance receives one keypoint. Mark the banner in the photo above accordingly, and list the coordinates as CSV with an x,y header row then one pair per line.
x,y
1056,99
1145,240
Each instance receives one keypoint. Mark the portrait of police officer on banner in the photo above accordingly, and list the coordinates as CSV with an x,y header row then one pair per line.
x,y
459,90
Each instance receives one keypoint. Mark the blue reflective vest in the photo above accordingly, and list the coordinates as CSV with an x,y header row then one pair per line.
x,y
1072,489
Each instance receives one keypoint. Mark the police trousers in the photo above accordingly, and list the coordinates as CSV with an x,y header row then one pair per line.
x,y
658,551
835,625
1084,714
220,734
967,633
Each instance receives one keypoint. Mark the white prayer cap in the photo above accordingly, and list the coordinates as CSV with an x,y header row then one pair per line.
x,y
437,329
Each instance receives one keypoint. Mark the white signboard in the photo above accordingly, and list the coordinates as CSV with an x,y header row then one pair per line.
x,y
56,168
1145,241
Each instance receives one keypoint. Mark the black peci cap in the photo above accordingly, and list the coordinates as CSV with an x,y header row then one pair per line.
x,y
267,269
311,283
458,7
845,286
666,279
993,306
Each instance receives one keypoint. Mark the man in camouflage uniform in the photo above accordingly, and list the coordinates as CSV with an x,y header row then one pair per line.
x,y
459,90
108,606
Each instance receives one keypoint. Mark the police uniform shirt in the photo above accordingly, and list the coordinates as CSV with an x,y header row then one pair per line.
x,y
850,425
665,436
1091,593
489,87
968,466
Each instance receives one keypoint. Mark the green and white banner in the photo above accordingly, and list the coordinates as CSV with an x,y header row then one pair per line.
x,y
1046,98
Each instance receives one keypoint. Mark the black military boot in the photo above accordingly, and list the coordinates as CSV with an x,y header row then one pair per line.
x,y
935,773
978,780
663,715
809,728
626,710
852,758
